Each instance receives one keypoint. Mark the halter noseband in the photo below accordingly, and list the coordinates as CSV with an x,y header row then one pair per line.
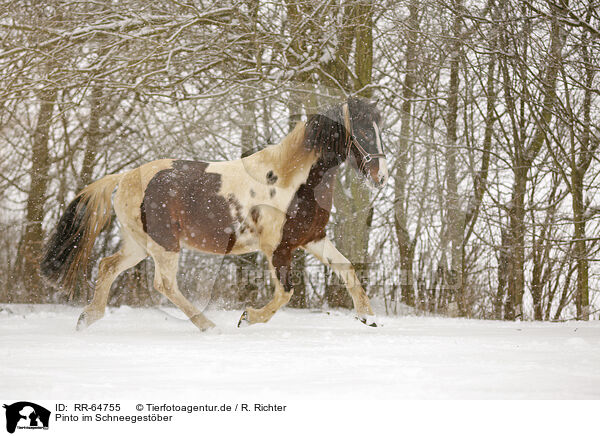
x,y
352,141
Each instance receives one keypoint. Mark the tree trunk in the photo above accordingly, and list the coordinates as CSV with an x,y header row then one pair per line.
x,y
516,265
93,137
352,220
578,170
582,297
453,210
406,244
295,108
480,178
523,160
32,241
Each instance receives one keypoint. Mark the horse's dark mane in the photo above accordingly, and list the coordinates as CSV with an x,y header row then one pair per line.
x,y
326,132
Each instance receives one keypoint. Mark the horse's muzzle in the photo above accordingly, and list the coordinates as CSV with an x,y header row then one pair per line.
x,y
377,174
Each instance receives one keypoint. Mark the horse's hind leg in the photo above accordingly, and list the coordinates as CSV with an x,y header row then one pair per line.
x,y
110,267
165,282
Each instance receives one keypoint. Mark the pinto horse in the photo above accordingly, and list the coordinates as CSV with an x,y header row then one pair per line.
x,y
274,201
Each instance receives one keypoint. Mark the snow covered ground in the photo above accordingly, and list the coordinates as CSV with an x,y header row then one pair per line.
x,y
150,353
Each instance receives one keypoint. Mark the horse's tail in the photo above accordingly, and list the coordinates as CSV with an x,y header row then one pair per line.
x,y
69,248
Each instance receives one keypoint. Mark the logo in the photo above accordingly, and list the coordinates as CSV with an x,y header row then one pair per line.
x,y
26,415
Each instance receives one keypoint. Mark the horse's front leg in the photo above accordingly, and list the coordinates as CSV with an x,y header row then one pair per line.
x,y
325,251
279,264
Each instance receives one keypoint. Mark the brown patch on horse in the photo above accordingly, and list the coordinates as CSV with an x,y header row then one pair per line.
x,y
236,206
182,204
306,217
327,136
255,214
271,177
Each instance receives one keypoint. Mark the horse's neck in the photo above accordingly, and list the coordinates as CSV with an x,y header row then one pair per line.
x,y
307,167
289,160
295,166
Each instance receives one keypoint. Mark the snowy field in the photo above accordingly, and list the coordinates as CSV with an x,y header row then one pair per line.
x,y
299,354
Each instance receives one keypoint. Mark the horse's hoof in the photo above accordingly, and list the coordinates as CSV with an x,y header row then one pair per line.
x,y
369,320
207,326
244,320
82,322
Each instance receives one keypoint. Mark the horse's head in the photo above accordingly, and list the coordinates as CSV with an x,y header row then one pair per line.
x,y
350,131
364,143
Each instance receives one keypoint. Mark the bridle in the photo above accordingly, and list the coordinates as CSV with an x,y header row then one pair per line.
x,y
351,141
